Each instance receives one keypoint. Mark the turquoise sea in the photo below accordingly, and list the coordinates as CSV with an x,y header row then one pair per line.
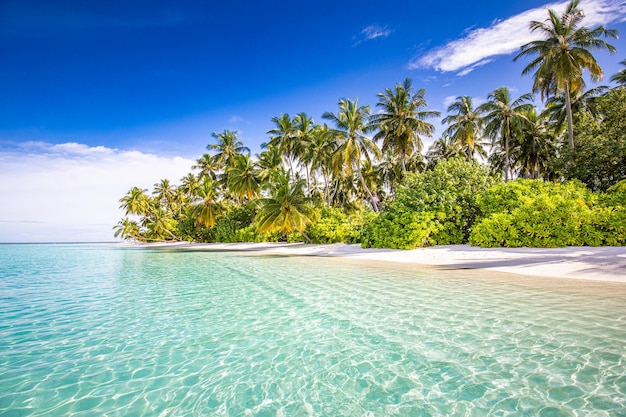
x,y
108,330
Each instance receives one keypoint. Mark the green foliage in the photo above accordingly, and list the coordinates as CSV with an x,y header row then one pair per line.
x,y
229,228
334,226
599,156
532,213
433,207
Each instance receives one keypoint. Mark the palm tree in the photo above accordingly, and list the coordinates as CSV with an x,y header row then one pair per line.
x,y
160,224
556,109
505,119
283,138
402,120
127,229
443,148
620,77
135,202
303,136
465,126
189,185
268,163
243,179
228,146
351,124
536,148
286,210
562,55
208,166
319,154
205,211
164,192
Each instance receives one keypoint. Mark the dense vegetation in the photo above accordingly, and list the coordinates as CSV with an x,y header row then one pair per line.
x,y
505,173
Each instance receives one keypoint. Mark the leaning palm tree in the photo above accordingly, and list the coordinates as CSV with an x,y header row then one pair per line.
x,y
465,126
402,122
562,55
286,210
227,146
351,125
127,229
161,225
504,119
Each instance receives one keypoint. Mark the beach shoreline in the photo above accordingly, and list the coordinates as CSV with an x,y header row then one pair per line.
x,y
582,263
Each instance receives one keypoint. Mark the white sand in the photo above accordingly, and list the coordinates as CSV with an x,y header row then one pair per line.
x,y
588,263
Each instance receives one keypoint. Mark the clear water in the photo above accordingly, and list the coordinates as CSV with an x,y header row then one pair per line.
x,y
91,330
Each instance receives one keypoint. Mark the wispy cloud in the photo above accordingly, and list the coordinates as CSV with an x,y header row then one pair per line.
x,y
371,32
504,37
70,191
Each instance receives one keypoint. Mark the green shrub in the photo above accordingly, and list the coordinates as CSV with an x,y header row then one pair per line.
x,y
533,213
434,207
334,226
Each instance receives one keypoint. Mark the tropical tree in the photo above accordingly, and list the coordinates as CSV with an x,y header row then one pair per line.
x,y
136,201
532,154
402,122
444,148
556,108
227,147
209,207
165,193
243,179
283,137
319,154
160,224
562,55
268,163
208,166
303,135
351,124
620,77
504,119
465,126
127,229
286,210
189,185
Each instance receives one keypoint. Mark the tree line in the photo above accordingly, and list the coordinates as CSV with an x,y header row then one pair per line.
x,y
353,162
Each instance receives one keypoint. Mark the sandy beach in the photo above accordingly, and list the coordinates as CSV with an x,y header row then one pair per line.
x,y
586,263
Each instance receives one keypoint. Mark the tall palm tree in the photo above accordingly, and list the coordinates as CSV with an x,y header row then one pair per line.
x,y
562,55
504,119
243,179
402,122
351,125
165,193
303,136
283,136
319,154
136,201
537,147
268,163
556,109
286,210
189,185
208,208
465,126
620,77
227,146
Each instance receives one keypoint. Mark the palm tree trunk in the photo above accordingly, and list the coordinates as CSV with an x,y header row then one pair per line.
x,y
570,119
506,159
308,239
367,190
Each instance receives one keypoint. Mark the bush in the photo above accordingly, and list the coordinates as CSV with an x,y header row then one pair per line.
x,y
533,213
334,226
435,207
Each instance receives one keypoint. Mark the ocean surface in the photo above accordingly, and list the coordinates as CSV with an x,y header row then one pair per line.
x,y
109,330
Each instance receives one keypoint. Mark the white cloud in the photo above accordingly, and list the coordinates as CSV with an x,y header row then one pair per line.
x,y
70,191
504,37
371,32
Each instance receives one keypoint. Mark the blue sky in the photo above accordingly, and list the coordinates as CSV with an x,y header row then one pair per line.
x,y
84,82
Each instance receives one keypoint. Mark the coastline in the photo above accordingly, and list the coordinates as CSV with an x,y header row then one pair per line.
x,y
583,263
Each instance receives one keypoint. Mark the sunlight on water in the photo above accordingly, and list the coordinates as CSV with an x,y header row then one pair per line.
x,y
91,330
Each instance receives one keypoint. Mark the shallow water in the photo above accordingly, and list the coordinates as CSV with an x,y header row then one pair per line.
x,y
105,330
